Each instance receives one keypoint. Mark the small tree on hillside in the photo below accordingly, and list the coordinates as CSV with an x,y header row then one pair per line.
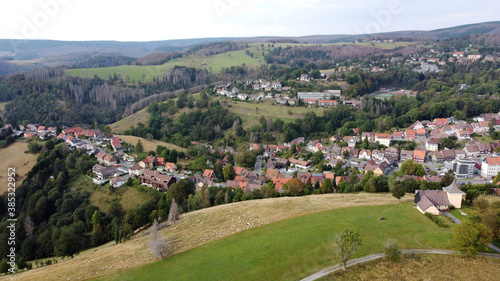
x,y
173,214
392,250
345,244
139,147
156,244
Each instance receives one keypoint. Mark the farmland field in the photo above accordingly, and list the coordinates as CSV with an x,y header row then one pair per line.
x,y
120,126
149,145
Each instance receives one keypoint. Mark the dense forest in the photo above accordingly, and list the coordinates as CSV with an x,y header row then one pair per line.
x,y
104,60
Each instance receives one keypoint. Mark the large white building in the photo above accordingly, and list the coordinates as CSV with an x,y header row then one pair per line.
x,y
490,166
462,168
314,95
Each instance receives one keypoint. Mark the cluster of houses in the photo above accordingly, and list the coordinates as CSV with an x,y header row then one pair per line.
x,y
30,131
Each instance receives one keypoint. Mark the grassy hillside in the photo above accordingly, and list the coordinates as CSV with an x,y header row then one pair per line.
x,y
251,112
3,105
294,248
13,156
199,228
150,145
120,126
423,267
145,73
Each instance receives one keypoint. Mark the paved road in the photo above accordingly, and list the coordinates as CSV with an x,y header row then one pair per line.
x,y
328,270
258,165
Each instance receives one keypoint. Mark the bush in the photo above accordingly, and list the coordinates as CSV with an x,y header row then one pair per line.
x,y
392,250
438,220
481,203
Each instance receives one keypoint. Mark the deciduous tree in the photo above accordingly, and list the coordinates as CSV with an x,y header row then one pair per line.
x,y
345,243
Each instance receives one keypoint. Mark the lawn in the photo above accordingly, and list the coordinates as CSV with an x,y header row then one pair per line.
x,y
13,156
294,248
423,267
485,139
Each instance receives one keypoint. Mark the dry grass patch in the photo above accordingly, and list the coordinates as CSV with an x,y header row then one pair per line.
x,y
140,116
150,145
200,227
3,105
14,156
424,267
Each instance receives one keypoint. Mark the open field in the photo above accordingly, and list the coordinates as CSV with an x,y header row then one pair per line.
x,y
294,248
14,156
201,227
140,116
137,73
149,145
423,267
251,112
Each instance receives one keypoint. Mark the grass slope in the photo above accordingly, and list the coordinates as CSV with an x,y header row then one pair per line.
x,y
3,105
251,112
198,228
293,248
13,156
149,145
120,126
423,267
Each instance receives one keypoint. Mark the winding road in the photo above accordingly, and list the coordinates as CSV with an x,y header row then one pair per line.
x,y
333,268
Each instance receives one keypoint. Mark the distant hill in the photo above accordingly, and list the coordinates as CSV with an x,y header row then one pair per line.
x,y
50,53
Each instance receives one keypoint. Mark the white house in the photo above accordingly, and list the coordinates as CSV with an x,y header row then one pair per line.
x,y
431,145
490,166
117,182
383,139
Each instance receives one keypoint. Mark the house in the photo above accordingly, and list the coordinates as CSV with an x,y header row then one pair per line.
x,y
135,171
300,163
351,141
448,155
490,166
157,180
472,150
110,160
392,152
431,201
421,134
437,156
455,194
170,167
441,122
398,136
117,182
210,174
103,173
419,156
149,162
416,125
100,156
432,145
305,77
411,135
365,154
383,168
370,166
378,154
460,153
383,139
406,154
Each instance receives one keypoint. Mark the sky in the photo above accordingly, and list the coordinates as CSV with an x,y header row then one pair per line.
x,y
148,20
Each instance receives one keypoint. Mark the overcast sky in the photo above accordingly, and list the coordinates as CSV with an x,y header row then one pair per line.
x,y
148,20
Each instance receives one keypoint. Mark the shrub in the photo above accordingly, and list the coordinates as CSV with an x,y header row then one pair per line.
x,y
481,203
392,250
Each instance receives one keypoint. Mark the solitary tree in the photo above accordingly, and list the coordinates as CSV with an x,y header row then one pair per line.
x,y
156,244
173,214
229,172
470,238
345,244
139,147
398,190
392,250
